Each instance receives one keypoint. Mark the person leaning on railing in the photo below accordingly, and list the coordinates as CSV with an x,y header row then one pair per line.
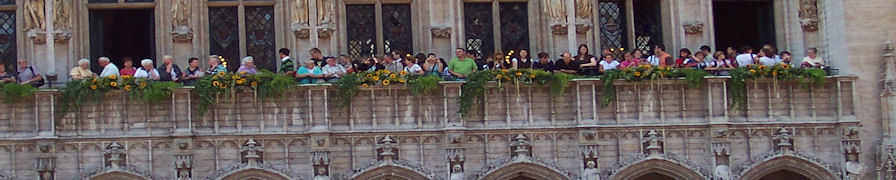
x,y
82,71
461,66
147,71
6,77
308,73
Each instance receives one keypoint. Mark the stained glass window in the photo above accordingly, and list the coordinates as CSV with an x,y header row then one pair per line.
x,y
260,36
514,26
7,2
8,38
397,28
478,30
612,24
648,30
224,34
361,30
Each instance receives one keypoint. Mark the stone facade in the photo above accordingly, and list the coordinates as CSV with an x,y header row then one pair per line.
x,y
842,131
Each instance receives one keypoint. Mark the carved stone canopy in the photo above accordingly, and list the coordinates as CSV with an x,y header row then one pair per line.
x,y
783,140
693,28
441,32
583,28
559,29
653,143
325,33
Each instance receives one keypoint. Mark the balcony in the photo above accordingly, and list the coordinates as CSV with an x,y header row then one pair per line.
x,y
311,108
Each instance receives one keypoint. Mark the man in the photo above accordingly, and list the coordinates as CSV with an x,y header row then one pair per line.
x,y
811,60
708,51
461,66
333,70
746,57
664,58
391,65
214,65
193,72
286,65
109,69
169,71
567,65
29,75
317,57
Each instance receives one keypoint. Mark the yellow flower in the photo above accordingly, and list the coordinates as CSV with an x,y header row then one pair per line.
x,y
241,81
364,85
221,73
143,85
216,83
387,71
93,87
402,80
386,82
368,75
113,84
786,66
113,77
504,70
223,85
125,77
775,73
93,80
498,76
403,73
376,78
127,88
254,83
637,74
532,76
393,76
752,71
235,77
762,67
242,72
519,73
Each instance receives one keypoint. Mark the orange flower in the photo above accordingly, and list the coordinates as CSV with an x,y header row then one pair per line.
x,y
762,67
127,88
775,73
113,84
498,76
113,77
402,80
403,73
143,85
519,73
532,76
364,85
125,77
254,83
637,74
393,75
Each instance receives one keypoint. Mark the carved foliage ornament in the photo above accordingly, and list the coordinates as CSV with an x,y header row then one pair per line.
x,y
809,15
693,28
441,32
559,29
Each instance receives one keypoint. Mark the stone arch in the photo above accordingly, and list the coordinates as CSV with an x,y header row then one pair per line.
x,y
252,174
531,170
118,175
660,166
389,172
794,164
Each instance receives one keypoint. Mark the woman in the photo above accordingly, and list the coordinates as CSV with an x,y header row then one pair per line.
x,y
248,66
587,62
544,63
628,60
128,69
6,77
147,71
698,62
492,62
767,57
812,60
411,67
608,63
82,71
523,61
309,73
193,72
638,55
432,66
684,57
721,65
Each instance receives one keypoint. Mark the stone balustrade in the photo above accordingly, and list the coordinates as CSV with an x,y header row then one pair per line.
x,y
311,108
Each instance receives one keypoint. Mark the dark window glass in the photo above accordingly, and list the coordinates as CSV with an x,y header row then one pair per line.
x,y
612,25
478,30
260,36
139,0
102,1
514,26
7,2
397,28
647,24
224,34
361,30
8,39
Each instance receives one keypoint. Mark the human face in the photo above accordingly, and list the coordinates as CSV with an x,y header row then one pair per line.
x,y
684,54
23,64
212,61
583,50
638,54
84,65
128,64
169,60
608,58
2,68
786,57
567,56
811,54
459,53
147,66
699,57
194,63
331,62
250,64
761,53
309,64
628,57
730,50
524,53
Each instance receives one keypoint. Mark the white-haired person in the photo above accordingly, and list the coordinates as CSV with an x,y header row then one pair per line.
x,y
109,69
147,71
214,65
82,71
169,70
247,66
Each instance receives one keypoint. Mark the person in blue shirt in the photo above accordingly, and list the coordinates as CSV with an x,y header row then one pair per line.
x,y
309,73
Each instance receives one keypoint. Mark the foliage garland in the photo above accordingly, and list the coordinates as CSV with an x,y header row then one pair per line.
x,y
15,92
778,72
78,92
348,84
266,84
474,88
693,77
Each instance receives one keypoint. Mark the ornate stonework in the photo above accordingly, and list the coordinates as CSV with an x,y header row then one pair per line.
x,y
181,30
559,29
809,15
693,28
441,32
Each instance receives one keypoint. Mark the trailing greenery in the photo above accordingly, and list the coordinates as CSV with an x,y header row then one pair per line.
x,y
474,88
266,85
348,88
693,77
424,84
779,72
348,85
78,92
15,92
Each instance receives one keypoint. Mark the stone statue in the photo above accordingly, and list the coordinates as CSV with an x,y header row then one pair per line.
x,y
457,172
555,9
326,10
583,9
321,173
590,172
722,172
299,10
62,15
180,14
809,15
34,15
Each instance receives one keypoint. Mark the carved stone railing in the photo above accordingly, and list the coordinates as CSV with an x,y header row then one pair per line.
x,y
311,108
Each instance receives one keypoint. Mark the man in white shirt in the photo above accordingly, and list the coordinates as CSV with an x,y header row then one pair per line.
x,y
333,70
147,71
109,69
746,57
812,60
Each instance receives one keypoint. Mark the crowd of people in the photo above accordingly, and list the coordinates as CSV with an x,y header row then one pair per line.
x,y
320,68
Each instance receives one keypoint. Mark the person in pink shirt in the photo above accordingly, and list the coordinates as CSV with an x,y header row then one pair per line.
x,y
128,67
629,60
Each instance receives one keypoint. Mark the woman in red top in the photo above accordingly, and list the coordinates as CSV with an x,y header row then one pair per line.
x,y
128,68
684,55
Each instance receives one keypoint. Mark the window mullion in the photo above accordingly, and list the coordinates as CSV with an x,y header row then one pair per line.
x,y
241,14
630,24
380,45
496,27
